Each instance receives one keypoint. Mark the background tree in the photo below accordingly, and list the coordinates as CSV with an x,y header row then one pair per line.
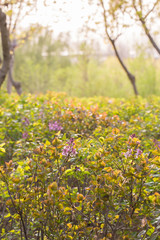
x,y
15,11
144,10
5,47
45,64
84,58
113,24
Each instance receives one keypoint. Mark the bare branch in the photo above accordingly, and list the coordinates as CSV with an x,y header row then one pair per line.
x,y
17,17
105,20
151,10
141,5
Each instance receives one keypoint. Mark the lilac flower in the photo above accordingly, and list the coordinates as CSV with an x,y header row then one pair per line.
x,y
128,153
25,121
71,142
156,143
138,152
66,151
25,135
69,149
133,135
54,126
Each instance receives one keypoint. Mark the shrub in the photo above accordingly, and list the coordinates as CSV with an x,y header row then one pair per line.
x,y
79,168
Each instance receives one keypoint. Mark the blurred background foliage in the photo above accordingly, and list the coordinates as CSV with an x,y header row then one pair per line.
x,y
47,63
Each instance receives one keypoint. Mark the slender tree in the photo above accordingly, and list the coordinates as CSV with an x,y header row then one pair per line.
x,y
143,10
16,12
5,47
84,59
112,21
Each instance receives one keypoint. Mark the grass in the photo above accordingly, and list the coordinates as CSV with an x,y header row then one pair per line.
x,y
104,78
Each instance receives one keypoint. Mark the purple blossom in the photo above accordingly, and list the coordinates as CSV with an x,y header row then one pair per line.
x,y
66,151
25,121
133,135
71,142
69,149
128,153
25,135
54,126
156,143
138,152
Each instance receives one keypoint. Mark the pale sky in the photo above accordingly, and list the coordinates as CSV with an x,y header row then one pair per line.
x,y
70,19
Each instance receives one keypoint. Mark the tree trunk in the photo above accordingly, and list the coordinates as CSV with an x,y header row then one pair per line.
x,y
10,80
5,47
9,85
130,76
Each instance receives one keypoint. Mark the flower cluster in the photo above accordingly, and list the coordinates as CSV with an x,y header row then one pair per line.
x,y
69,149
130,152
133,149
156,143
54,126
25,121
138,152
25,135
133,135
133,139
